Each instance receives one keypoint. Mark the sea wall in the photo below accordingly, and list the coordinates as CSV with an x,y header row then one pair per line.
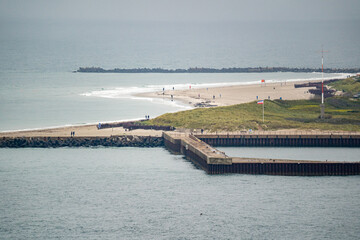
x,y
194,148
55,142
289,168
197,151
267,140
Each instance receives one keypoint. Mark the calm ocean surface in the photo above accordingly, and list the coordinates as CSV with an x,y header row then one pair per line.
x,y
132,193
295,153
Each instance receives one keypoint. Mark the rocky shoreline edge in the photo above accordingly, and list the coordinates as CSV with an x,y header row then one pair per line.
x,y
215,70
56,142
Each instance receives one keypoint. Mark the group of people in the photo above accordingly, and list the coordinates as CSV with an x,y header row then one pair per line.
x,y
73,133
214,96
147,117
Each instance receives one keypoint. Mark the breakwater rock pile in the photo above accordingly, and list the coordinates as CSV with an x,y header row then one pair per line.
x,y
215,70
55,142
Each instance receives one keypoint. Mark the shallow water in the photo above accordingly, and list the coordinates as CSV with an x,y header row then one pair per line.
x,y
139,193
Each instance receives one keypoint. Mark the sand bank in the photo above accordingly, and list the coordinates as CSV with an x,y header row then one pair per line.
x,y
230,95
81,131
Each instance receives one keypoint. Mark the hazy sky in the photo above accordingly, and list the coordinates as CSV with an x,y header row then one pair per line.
x,y
179,10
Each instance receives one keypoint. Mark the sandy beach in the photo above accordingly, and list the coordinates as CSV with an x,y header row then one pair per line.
x,y
81,131
230,95
219,96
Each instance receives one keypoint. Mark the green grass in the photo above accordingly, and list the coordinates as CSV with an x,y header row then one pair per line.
x,y
341,114
349,85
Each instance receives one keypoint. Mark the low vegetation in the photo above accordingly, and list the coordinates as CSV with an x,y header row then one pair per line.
x,y
341,114
349,85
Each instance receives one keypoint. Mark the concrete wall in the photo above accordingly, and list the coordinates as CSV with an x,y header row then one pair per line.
x,y
282,140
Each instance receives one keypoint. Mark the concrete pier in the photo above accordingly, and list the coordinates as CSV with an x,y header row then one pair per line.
x,y
200,153
199,150
282,140
215,162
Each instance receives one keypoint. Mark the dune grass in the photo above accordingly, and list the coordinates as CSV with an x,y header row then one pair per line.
x,y
349,85
341,114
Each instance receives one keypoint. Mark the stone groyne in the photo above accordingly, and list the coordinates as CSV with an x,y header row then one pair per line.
x,y
55,142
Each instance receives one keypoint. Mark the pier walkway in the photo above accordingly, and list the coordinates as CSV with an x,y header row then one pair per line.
x,y
213,161
200,152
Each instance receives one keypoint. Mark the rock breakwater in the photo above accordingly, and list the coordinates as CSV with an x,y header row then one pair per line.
x,y
55,142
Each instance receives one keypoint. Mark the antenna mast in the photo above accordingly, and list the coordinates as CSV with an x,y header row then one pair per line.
x,y
322,75
322,105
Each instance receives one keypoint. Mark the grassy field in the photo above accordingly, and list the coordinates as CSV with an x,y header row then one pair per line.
x,y
349,85
341,114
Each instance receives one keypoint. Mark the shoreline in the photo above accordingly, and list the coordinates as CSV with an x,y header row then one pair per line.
x,y
90,130
67,126
235,94
196,97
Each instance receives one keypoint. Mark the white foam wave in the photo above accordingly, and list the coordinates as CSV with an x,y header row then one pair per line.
x,y
121,92
131,92
337,76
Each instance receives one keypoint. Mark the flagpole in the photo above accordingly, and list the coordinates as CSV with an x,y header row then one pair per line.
x,y
263,110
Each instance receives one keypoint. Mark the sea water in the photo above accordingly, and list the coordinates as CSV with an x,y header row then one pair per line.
x,y
38,88
343,154
38,100
138,193
132,193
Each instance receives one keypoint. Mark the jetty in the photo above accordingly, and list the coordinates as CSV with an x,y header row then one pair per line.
x,y
282,139
201,150
198,150
88,141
